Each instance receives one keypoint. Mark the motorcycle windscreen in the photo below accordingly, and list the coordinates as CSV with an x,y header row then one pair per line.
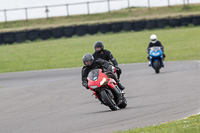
x,y
155,52
93,75
155,49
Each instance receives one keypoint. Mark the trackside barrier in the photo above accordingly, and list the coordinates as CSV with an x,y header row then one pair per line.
x,y
45,34
93,29
174,22
69,31
116,27
185,21
1,39
81,30
162,23
104,28
151,24
196,20
57,32
127,26
33,34
8,37
139,25
20,36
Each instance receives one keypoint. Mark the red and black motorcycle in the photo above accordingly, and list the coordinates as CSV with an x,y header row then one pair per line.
x,y
105,89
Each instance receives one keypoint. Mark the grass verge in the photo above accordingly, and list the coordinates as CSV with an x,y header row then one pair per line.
x,y
127,47
189,125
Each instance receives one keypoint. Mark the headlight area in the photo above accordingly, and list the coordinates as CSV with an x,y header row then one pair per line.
x,y
155,54
103,81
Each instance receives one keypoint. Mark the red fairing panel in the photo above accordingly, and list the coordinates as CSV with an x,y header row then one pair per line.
x,y
112,83
97,82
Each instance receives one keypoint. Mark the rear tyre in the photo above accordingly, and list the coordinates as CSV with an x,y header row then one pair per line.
x,y
157,66
108,100
123,104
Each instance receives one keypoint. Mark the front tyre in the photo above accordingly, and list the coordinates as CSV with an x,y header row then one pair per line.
x,y
157,65
108,100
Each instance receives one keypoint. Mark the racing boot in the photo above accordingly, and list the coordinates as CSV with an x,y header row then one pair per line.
x,y
121,87
163,65
149,63
163,60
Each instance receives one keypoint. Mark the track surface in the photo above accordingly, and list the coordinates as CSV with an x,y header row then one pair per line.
x,y
53,101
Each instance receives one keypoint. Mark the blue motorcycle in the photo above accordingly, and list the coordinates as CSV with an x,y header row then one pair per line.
x,y
156,58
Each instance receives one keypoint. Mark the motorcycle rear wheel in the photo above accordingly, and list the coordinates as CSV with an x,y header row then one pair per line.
x,y
108,100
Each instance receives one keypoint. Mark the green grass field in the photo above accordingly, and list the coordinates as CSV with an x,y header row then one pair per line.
x,y
119,15
189,125
127,47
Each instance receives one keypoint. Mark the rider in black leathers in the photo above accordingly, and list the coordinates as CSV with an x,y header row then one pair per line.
x,y
102,53
90,63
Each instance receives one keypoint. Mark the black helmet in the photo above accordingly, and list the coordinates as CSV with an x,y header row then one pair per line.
x,y
88,57
98,44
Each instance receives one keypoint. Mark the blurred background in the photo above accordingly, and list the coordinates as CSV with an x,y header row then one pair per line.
x,y
11,10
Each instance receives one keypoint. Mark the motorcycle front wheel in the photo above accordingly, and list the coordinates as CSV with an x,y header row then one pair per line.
x,y
156,65
108,100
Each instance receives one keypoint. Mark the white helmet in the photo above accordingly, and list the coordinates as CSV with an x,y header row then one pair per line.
x,y
153,38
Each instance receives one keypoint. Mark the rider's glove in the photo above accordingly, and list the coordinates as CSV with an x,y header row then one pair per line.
x,y
119,71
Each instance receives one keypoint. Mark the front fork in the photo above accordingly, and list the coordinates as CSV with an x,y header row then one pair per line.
x,y
115,91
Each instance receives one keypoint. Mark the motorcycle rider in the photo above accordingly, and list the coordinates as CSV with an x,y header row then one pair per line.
x,y
102,53
154,42
91,63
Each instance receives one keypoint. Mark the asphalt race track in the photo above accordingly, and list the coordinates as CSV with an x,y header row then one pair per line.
x,y
54,101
